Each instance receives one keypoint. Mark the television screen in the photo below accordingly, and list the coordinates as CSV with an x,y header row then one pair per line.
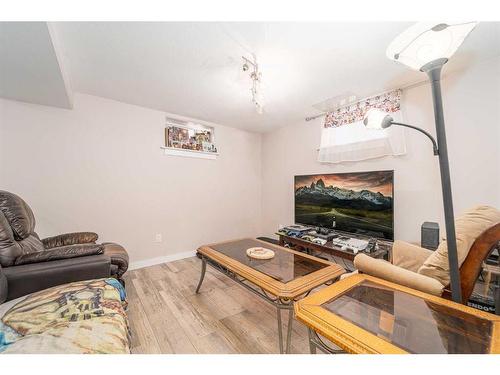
x,y
360,202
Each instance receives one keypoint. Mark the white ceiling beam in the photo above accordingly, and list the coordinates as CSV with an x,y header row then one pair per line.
x,y
31,65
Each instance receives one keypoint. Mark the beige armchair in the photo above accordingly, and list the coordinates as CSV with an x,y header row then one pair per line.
x,y
406,260
478,233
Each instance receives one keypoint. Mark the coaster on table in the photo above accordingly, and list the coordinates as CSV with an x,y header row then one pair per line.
x,y
260,253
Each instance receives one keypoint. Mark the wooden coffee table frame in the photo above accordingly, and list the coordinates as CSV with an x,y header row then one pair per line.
x,y
281,295
353,339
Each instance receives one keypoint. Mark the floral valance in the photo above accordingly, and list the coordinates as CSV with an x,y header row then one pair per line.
x,y
388,102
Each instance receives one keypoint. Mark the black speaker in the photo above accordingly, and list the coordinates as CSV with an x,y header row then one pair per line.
x,y
429,237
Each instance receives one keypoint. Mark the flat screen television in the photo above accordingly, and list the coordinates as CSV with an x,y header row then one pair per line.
x,y
360,202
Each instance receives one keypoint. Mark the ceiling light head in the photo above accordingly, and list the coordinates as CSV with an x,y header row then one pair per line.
x,y
247,63
255,76
259,109
377,119
257,98
426,42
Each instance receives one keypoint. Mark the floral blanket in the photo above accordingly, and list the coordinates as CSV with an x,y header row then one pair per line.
x,y
80,317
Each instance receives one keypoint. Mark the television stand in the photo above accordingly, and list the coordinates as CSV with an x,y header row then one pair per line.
x,y
334,253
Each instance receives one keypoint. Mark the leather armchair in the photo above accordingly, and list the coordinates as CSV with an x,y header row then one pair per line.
x,y
30,264
3,287
70,239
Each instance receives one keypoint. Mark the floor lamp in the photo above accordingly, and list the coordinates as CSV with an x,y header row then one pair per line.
x,y
427,47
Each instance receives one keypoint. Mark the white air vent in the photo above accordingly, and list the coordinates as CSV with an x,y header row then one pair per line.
x,y
335,102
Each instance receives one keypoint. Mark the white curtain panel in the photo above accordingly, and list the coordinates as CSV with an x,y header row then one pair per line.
x,y
349,140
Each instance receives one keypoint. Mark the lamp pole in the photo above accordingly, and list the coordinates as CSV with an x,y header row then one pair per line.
x,y
433,70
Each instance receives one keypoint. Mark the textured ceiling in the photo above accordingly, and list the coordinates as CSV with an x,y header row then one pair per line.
x,y
194,69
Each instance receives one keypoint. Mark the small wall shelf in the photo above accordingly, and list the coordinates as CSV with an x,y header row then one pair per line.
x,y
190,153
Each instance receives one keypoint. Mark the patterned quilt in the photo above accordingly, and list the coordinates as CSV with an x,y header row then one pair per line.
x,y
80,317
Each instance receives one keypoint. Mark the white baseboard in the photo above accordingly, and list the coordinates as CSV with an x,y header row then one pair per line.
x,y
159,260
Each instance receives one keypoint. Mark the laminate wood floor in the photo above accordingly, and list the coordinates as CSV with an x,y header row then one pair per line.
x,y
166,316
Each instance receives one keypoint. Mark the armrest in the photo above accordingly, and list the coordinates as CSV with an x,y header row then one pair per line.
x,y
3,287
387,271
29,278
408,256
64,252
70,239
119,258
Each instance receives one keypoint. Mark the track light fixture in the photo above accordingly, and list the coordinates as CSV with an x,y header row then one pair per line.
x,y
255,76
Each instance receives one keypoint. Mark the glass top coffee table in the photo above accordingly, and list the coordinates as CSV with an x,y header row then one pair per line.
x,y
281,280
363,314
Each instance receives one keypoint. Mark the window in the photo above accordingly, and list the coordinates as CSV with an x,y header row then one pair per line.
x,y
345,138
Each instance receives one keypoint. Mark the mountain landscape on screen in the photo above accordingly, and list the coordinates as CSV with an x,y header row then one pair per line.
x,y
318,193
353,202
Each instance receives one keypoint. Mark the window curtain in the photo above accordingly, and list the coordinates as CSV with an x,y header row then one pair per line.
x,y
345,138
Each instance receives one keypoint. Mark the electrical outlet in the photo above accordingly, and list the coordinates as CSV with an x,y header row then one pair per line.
x,y
158,237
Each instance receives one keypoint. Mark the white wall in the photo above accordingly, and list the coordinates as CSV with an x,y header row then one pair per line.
x,y
99,167
472,115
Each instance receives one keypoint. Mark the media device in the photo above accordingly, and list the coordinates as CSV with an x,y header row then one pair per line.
x,y
371,246
353,244
429,237
327,237
297,228
319,241
359,202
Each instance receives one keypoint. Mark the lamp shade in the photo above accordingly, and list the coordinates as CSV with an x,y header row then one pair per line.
x,y
425,42
377,119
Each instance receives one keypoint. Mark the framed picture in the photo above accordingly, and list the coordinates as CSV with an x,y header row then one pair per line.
x,y
193,137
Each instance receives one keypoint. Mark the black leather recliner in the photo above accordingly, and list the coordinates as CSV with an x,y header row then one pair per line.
x,y
3,286
28,264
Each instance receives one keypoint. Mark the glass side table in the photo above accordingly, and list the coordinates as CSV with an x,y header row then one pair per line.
x,y
364,314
